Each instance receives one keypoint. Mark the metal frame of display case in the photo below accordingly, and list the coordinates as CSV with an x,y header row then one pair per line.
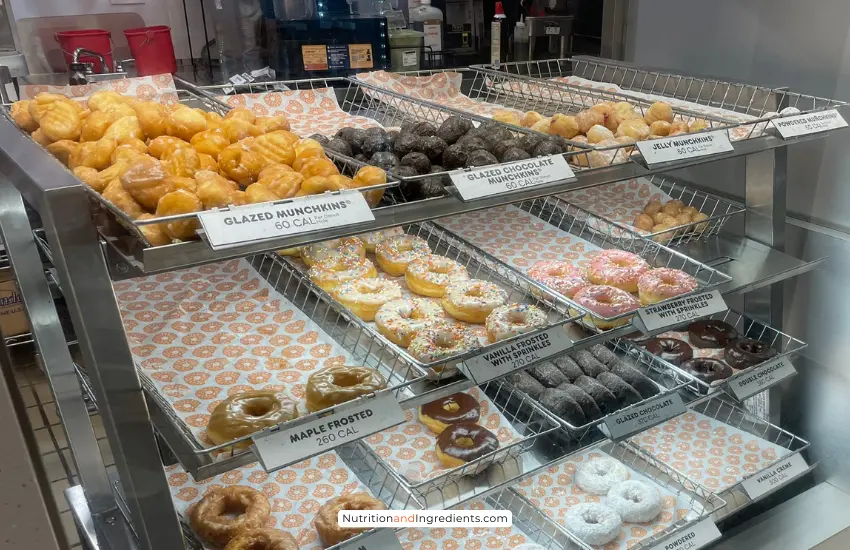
x,y
86,264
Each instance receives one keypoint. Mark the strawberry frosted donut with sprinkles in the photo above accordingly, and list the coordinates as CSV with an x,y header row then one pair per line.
x,y
560,276
606,301
617,268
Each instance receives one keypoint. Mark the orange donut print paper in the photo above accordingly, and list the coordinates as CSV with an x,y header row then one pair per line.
x,y
553,491
709,452
201,335
505,538
160,87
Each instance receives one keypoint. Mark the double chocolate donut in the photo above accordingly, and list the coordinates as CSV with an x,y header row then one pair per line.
x,y
706,369
746,352
672,350
711,333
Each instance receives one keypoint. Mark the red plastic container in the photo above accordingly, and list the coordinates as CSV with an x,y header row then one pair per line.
x,y
96,40
152,49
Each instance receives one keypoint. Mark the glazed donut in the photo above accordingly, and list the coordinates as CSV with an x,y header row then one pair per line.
x,y
330,533
263,539
711,333
349,247
290,251
606,301
401,320
453,409
334,385
514,319
429,275
664,283
464,442
595,524
473,300
562,277
395,253
672,350
248,412
330,273
372,239
744,353
365,296
706,369
226,512
617,268
635,501
441,341
598,475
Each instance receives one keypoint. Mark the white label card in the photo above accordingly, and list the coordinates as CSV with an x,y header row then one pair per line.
x,y
382,539
810,123
777,475
761,377
513,176
516,355
245,224
658,318
339,425
553,29
684,146
638,418
699,535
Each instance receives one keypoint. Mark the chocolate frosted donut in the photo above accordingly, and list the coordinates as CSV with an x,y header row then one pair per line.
x,y
588,405
562,405
710,333
605,356
465,442
606,400
526,383
588,363
707,370
548,374
452,409
626,394
672,350
636,379
746,352
569,367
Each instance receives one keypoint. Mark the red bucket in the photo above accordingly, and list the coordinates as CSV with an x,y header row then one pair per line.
x,y
152,49
96,40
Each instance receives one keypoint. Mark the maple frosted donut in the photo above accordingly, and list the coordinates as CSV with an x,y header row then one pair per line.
x,y
617,268
401,320
365,296
661,284
472,301
349,247
326,521
371,240
606,301
429,275
635,501
249,412
514,319
226,512
598,475
562,277
595,524
330,273
395,253
334,385
263,539
441,341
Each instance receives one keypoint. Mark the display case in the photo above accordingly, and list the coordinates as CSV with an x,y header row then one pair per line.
x,y
167,332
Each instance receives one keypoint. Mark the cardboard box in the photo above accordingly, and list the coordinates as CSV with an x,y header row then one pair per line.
x,y
13,318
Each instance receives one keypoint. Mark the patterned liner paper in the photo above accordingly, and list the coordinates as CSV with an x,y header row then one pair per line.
x,y
308,111
554,492
295,493
409,448
146,87
203,334
707,451
503,538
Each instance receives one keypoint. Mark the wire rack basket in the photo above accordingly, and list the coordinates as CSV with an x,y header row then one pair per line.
x,y
479,265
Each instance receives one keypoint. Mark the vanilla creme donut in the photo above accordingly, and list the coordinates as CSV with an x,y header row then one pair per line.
x,y
401,320
472,301
617,268
371,240
393,254
332,272
664,283
635,501
365,296
349,247
514,319
429,275
598,475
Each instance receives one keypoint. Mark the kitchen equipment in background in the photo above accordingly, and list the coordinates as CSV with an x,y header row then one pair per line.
x,y
428,20
152,49
555,29
94,40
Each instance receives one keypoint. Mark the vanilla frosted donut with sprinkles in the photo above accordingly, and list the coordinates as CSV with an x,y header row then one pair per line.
x,y
393,254
429,275
472,301
349,247
371,240
514,319
442,341
365,296
401,320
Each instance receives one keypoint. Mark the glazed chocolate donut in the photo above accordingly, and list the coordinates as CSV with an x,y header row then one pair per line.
x,y
588,405
588,363
711,333
605,356
548,374
526,383
672,350
606,400
707,370
461,443
636,379
625,394
746,352
563,406
453,409
569,367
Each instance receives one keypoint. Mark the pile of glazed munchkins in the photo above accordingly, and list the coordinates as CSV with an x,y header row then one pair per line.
x,y
151,160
